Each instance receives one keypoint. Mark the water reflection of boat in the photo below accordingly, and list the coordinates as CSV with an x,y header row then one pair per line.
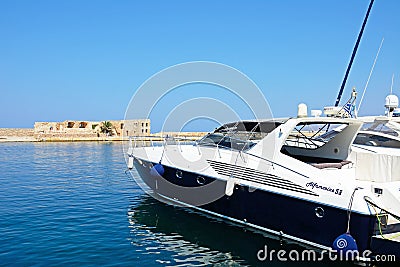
x,y
281,177
191,238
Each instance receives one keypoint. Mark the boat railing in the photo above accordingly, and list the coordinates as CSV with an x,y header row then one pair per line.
x,y
245,151
158,141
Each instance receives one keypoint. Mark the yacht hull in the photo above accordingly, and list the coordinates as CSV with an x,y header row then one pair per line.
x,y
285,215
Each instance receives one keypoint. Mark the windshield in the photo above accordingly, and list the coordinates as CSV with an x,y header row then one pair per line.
x,y
220,140
382,127
241,135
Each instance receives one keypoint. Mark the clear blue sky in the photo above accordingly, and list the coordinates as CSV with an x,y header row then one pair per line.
x,y
83,60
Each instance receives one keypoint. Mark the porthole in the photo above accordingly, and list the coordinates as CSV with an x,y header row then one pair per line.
x,y
150,165
201,180
336,150
319,212
179,174
144,164
140,162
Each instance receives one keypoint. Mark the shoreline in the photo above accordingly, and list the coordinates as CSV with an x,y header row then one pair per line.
x,y
27,135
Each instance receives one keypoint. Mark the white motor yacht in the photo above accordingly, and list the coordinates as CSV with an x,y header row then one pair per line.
x,y
298,178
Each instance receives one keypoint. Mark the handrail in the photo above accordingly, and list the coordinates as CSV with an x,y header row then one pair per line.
x,y
218,146
250,154
370,202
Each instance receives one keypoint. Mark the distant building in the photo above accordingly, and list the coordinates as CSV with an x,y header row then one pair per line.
x,y
135,127
91,129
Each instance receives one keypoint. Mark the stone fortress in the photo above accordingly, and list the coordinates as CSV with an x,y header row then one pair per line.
x,y
71,130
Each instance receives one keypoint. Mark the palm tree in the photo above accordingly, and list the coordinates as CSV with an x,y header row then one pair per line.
x,y
107,128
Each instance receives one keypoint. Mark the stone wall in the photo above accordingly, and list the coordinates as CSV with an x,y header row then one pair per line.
x,y
16,135
89,130
19,132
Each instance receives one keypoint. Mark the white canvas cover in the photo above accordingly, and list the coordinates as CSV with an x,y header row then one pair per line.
x,y
377,167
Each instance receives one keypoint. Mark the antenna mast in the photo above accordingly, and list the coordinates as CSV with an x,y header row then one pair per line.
x,y
369,77
391,87
353,54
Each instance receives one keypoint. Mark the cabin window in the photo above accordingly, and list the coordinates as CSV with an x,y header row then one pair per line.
x,y
313,136
307,141
368,139
379,127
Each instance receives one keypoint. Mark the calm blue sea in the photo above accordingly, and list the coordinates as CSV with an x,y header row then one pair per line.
x,y
71,204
